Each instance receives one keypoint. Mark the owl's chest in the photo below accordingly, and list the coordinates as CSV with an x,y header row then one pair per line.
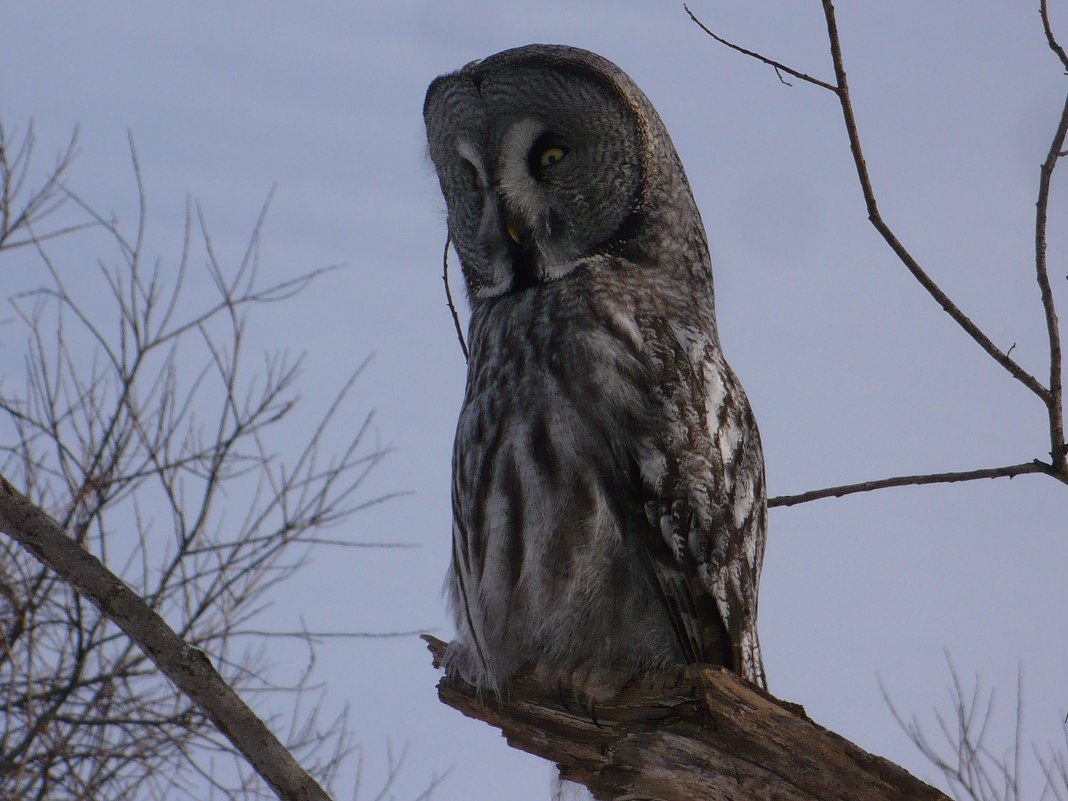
x,y
557,355
543,463
554,396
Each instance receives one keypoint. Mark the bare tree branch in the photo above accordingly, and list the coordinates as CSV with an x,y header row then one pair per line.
x,y
313,636
1055,402
972,766
779,66
448,297
1008,471
1051,396
1051,40
877,220
142,433
18,213
186,666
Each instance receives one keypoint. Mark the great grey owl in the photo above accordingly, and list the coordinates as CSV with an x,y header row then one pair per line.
x,y
609,506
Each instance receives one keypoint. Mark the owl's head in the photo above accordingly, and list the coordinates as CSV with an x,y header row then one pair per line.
x,y
548,156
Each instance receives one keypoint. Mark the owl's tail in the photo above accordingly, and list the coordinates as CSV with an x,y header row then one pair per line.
x,y
564,790
748,659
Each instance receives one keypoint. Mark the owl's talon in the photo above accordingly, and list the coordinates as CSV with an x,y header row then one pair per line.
x,y
593,714
659,680
561,695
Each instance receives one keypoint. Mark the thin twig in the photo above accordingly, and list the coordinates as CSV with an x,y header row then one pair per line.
x,y
779,67
876,218
1051,40
841,90
121,430
448,296
327,635
907,481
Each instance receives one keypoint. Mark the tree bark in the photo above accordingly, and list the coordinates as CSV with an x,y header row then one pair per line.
x,y
708,735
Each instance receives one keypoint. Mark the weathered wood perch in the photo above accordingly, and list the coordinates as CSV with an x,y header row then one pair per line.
x,y
711,736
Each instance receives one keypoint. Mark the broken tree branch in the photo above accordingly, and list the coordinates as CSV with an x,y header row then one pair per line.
x,y
710,735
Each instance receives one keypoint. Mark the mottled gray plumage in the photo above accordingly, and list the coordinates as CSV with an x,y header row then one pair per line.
x,y
609,507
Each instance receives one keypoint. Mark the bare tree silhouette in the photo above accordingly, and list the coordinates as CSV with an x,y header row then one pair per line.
x,y
150,503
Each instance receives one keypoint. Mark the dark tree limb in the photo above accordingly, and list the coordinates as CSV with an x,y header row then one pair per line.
x,y
1008,471
184,665
710,736
1055,403
1051,40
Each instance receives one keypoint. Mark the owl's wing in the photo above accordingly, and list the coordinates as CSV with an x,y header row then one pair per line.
x,y
703,476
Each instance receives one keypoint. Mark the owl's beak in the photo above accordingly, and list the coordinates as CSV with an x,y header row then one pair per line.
x,y
517,231
521,245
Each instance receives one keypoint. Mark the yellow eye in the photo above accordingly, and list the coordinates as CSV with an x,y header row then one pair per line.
x,y
550,156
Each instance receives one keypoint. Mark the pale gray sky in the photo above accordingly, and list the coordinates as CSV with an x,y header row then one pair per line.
x,y
853,371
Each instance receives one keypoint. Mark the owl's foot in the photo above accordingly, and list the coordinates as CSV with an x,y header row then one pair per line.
x,y
658,679
591,686
587,686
